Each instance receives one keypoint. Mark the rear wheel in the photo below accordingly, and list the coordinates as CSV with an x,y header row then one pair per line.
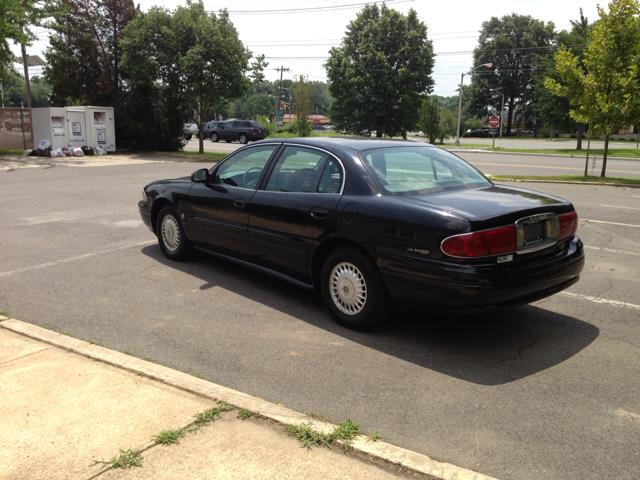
x,y
214,137
243,138
171,237
353,290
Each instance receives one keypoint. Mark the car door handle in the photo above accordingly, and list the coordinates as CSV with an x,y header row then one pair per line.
x,y
238,203
319,213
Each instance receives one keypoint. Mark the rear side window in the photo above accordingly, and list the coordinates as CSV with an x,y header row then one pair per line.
x,y
303,170
245,124
410,170
331,179
256,124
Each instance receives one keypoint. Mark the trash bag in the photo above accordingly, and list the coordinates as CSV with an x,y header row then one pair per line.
x,y
87,150
77,152
66,151
57,153
44,144
99,150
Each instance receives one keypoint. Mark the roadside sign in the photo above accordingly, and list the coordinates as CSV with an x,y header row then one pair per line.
x,y
494,121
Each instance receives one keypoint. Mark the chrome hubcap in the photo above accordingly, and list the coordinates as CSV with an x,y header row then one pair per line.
x,y
348,288
170,233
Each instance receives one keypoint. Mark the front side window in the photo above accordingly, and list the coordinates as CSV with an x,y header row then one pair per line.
x,y
298,170
411,170
245,167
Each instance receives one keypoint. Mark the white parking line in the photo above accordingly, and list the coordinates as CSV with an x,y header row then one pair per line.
x,y
611,250
606,301
587,220
618,206
60,261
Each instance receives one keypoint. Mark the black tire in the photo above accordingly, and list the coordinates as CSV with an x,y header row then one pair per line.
x,y
169,219
243,138
215,137
228,141
374,306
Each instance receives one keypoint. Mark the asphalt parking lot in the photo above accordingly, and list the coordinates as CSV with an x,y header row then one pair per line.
x,y
546,391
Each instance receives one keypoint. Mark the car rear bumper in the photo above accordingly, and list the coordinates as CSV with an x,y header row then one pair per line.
x,y
455,287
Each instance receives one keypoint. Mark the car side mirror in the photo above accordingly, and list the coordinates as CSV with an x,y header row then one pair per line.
x,y
201,175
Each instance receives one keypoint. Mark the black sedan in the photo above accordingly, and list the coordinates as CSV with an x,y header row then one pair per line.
x,y
371,223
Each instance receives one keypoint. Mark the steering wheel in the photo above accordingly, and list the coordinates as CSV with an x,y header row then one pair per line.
x,y
245,181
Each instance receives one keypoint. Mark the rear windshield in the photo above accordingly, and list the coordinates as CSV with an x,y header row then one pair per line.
x,y
420,169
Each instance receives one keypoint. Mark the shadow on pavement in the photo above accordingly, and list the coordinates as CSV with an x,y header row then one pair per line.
x,y
490,349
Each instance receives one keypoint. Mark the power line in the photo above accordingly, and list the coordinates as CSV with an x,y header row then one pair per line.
x,y
327,8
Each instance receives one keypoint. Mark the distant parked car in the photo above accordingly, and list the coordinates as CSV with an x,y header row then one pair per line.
x,y
209,126
478,132
190,129
243,131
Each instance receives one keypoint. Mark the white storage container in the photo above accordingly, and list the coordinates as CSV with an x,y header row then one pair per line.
x,y
50,124
75,127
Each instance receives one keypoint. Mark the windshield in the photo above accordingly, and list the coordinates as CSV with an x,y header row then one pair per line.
x,y
418,169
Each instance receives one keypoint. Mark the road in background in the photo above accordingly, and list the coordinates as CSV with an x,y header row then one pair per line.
x,y
542,392
504,163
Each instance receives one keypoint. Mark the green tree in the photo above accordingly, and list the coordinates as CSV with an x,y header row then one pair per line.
x,y
380,71
429,121
553,111
301,92
192,59
15,89
11,21
516,45
604,88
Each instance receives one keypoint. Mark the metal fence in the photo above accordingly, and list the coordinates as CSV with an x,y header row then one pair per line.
x,y
16,130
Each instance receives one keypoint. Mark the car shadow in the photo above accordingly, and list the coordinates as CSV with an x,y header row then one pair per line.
x,y
489,349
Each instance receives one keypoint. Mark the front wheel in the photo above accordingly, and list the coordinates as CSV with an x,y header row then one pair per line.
x,y
243,138
174,243
353,290
214,137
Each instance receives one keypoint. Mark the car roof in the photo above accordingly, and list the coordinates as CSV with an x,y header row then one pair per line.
x,y
343,143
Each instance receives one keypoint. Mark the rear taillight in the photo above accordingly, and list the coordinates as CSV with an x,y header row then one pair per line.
x,y
568,223
484,243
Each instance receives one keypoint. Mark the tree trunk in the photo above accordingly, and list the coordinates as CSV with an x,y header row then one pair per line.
x,y
378,133
604,156
510,117
579,135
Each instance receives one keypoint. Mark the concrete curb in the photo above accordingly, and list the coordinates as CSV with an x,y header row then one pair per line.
x,y
566,182
376,451
537,154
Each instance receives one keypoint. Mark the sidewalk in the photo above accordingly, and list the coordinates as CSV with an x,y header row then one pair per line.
x,y
61,412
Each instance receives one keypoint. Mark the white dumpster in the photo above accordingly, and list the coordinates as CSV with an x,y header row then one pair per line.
x,y
75,127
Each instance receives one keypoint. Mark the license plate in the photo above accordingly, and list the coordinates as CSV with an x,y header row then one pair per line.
x,y
536,232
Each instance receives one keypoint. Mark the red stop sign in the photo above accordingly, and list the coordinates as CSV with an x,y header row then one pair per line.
x,y
494,122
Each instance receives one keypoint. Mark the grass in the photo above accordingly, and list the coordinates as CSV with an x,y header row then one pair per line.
x,y
568,178
4,314
244,414
125,459
310,437
374,437
11,151
211,414
168,437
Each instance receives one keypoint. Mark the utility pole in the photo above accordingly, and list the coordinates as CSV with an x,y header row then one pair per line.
x,y
459,110
27,83
277,103
501,113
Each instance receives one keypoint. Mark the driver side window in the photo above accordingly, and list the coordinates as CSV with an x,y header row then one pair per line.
x,y
245,168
